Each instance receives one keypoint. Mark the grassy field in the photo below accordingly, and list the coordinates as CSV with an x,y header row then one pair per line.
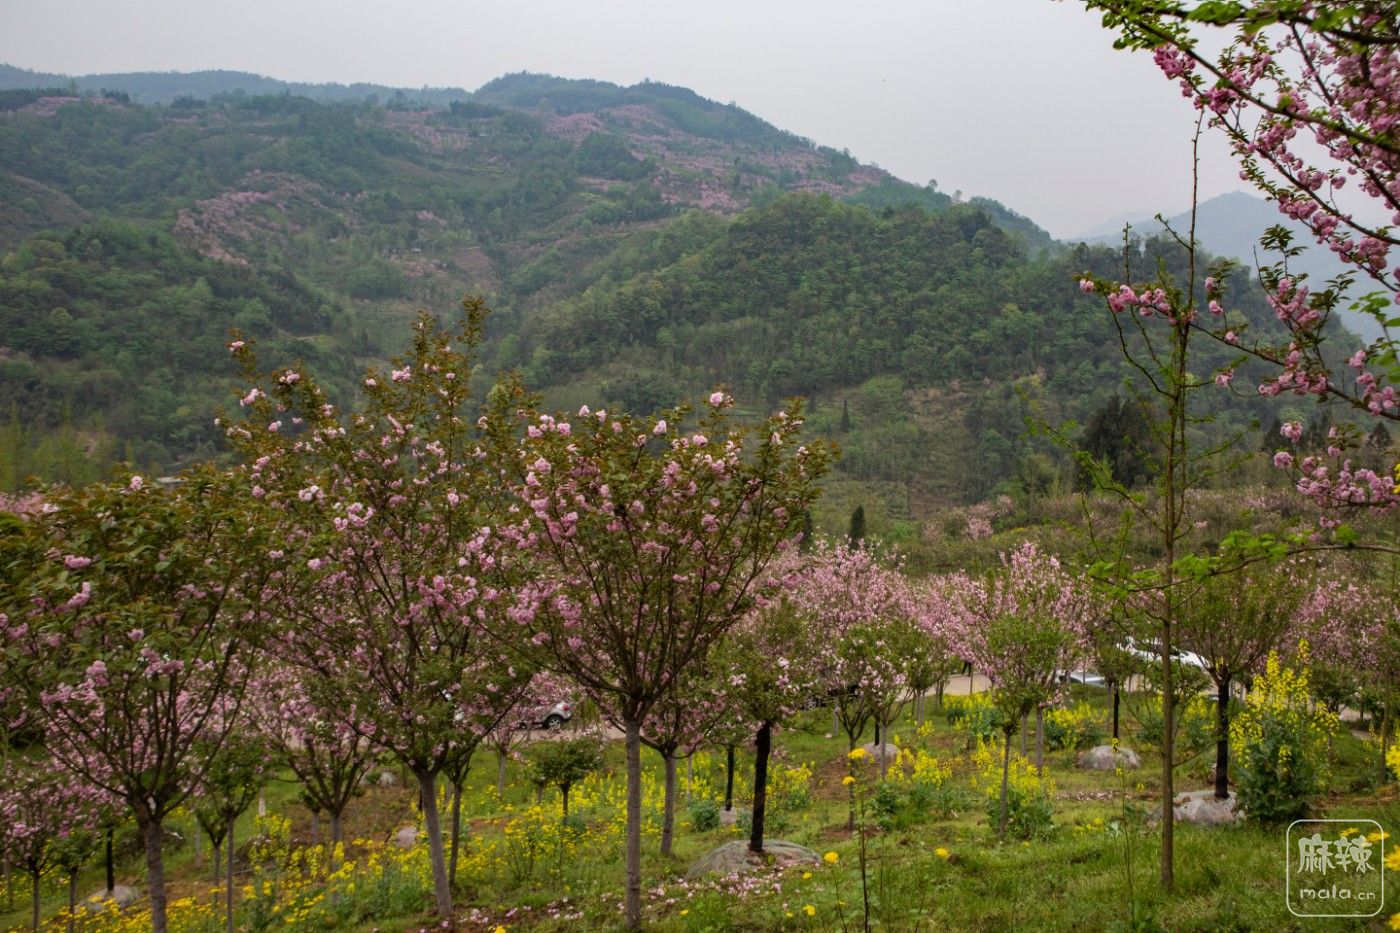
x,y
933,862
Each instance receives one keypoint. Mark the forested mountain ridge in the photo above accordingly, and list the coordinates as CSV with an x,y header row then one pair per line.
x,y
637,244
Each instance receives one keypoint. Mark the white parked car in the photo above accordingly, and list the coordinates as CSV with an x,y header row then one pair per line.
x,y
1150,653
548,717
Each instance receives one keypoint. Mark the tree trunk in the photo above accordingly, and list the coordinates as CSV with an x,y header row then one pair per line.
x,y
1025,728
34,873
112,862
762,746
427,794
1117,695
880,744
215,853
689,774
72,898
851,788
1168,754
919,708
938,694
500,773
1385,740
198,843
1005,774
335,830
456,832
668,806
1222,739
155,875
228,876
315,828
564,796
633,913
729,777
1040,741
835,718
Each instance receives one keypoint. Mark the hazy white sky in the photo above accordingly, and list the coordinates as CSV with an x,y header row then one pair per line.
x,y
1021,100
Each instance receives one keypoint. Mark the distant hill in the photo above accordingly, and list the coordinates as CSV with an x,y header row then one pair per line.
x,y
165,87
1230,225
637,245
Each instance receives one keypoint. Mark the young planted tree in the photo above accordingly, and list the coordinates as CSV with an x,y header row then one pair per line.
x,y
866,613
322,744
1233,622
679,723
1155,323
563,764
234,773
156,596
51,820
395,572
932,652
653,543
768,662
1031,616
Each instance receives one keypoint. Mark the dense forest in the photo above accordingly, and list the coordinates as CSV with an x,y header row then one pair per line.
x,y
638,245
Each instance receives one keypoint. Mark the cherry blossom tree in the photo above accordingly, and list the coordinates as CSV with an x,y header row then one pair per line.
x,y
321,743
51,820
1031,619
395,573
157,597
652,542
1304,91
866,612
933,649
1353,629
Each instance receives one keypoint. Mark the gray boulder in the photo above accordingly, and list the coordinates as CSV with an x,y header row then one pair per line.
x,y
734,858
406,837
1203,808
889,749
1108,758
122,895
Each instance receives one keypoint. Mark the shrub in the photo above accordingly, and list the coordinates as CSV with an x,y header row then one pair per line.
x,y
1280,745
704,814
1076,727
1196,718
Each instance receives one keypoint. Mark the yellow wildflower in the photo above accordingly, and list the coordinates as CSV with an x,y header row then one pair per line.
x,y
806,876
942,853
856,754
809,910
848,780
831,858
1377,836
